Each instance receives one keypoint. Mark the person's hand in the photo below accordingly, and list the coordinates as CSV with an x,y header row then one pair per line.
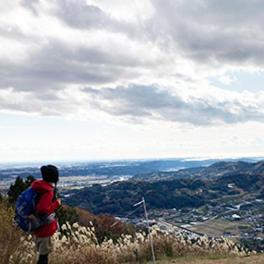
x,y
32,217
59,201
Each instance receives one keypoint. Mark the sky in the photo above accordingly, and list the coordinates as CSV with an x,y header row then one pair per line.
x,y
131,79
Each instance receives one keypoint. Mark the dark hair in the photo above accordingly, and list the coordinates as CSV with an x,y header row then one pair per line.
x,y
50,173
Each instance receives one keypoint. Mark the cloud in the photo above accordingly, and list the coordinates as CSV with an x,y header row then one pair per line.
x,y
57,64
48,54
31,5
215,32
44,103
137,101
89,16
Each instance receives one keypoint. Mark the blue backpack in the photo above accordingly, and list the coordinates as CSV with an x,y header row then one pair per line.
x,y
25,206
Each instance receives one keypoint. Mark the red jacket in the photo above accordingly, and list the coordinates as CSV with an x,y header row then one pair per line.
x,y
45,205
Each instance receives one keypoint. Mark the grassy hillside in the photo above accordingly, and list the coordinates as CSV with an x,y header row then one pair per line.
x,y
76,244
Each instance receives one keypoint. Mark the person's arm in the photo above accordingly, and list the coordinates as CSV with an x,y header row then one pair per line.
x,y
45,204
55,204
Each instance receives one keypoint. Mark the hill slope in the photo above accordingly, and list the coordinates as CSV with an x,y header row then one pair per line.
x,y
190,188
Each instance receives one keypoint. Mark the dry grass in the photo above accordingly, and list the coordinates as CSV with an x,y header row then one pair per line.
x,y
77,244
86,255
9,235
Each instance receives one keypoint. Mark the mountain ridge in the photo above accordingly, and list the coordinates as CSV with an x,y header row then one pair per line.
x,y
193,188
217,169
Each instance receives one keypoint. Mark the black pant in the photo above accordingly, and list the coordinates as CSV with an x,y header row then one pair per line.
x,y
43,259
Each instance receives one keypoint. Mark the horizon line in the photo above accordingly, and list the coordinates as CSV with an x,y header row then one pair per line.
x,y
187,158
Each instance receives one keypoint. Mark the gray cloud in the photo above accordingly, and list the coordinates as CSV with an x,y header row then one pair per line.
x,y
207,32
212,31
31,5
138,101
57,64
45,102
79,14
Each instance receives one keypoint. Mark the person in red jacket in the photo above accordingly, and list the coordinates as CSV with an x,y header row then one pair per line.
x,y
46,206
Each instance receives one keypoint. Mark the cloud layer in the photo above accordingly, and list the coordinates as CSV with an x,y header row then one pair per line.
x,y
150,60
146,102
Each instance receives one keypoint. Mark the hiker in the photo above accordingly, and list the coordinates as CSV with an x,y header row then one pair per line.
x,y
46,205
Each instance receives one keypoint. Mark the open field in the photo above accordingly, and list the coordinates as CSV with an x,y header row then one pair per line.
x,y
217,227
258,259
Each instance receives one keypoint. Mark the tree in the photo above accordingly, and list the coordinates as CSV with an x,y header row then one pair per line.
x,y
18,187
67,214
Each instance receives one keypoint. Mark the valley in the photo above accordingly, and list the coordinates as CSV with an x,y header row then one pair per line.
x,y
223,198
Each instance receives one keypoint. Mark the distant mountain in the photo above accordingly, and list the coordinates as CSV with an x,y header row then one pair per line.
x,y
188,188
107,168
217,169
